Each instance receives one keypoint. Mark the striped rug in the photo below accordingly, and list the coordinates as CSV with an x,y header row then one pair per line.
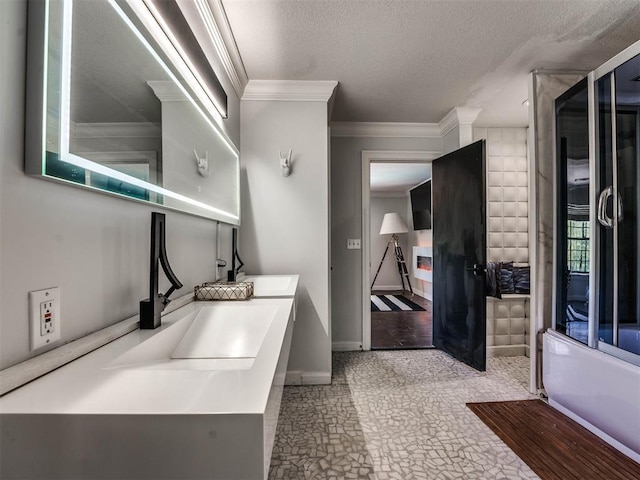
x,y
393,303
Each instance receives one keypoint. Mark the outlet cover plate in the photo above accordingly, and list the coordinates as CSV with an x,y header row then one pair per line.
x,y
36,298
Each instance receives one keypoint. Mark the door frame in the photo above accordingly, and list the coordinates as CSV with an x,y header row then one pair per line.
x,y
368,157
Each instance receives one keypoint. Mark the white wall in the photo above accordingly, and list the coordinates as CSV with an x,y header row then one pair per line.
x,y
285,220
346,222
388,278
94,246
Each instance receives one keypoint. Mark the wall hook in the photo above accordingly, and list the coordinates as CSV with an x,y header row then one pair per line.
x,y
285,163
202,163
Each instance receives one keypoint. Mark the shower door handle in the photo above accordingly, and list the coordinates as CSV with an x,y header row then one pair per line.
x,y
604,220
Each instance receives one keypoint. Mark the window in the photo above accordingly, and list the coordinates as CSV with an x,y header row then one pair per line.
x,y
578,245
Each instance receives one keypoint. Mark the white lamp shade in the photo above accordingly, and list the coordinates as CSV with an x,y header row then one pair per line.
x,y
393,223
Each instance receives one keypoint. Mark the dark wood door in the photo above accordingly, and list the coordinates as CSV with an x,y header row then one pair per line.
x,y
459,254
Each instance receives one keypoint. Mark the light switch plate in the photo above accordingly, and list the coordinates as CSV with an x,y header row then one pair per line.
x,y
44,317
353,244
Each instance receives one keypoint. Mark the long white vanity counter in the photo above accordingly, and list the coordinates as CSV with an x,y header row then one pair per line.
x,y
136,374
267,286
198,397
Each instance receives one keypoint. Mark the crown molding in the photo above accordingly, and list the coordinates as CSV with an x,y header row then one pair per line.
x,y
116,130
167,91
388,193
217,24
458,116
468,115
400,155
290,90
385,129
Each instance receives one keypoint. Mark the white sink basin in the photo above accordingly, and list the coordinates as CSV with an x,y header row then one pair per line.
x,y
236,331
218,336
272,285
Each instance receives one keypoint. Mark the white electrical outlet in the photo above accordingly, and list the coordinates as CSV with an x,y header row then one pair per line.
x,y
353,244
44,316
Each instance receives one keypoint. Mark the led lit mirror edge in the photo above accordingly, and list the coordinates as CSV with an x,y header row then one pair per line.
x,y
36,117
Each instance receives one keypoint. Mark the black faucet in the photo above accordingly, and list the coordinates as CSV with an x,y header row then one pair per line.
x,y
233,273
152,307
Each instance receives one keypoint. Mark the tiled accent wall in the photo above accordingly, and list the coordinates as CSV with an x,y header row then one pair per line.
x,y
507,326
507,194
507,233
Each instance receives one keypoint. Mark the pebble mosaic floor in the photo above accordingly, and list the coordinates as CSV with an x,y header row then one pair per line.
x,y
398,415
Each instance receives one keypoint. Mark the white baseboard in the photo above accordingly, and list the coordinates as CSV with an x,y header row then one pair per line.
x,y
386,287
298,377
418,292
399,287
428,296
506,351
346,346
293,378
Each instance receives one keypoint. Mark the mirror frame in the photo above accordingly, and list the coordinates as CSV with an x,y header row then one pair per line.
x,y
36,117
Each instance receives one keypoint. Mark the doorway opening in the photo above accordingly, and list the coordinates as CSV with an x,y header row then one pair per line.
x,y
393,330
396,304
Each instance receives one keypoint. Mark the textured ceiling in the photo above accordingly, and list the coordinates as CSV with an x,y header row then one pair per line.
x,y
412,61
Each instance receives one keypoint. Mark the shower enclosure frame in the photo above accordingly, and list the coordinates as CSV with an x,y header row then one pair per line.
x,y
595,188
596,383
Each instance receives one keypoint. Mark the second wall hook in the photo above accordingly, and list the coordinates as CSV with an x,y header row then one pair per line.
x,y
285,163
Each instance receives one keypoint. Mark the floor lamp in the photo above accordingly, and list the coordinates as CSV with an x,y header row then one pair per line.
x,y
393,224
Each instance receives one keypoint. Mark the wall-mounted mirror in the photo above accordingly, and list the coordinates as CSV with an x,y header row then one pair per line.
x,y
114,104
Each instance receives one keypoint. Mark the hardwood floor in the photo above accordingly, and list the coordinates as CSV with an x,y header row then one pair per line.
x,y
553,445
399,330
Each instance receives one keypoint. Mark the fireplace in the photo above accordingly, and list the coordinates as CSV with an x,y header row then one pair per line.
x,y
423,263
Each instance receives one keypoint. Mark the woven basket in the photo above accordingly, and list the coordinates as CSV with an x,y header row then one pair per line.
x,y
224,291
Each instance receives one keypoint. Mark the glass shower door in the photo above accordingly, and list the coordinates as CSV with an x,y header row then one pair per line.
x,y
572,219
618,329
